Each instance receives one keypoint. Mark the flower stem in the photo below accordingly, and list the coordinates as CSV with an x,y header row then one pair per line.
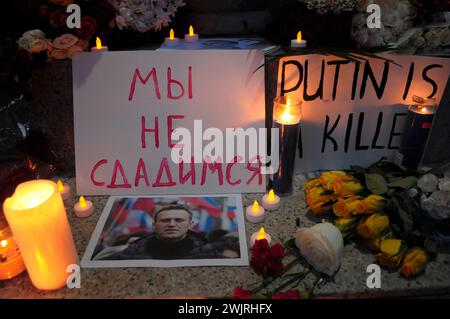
x,y
290,281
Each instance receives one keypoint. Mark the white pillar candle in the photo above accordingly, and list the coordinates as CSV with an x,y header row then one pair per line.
x,y
261,234
37,218
191,37
98,46
64,189
254,213
84,208
171,41
271,201
298,43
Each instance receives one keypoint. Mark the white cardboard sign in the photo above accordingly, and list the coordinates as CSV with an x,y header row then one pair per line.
x,y
353,113
126,105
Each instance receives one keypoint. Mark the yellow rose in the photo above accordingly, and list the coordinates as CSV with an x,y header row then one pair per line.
x,y
319,200
344,207
327,178
358,206
373,226
374,244
414,263
311,183
392,252
374,203
346,224
347,185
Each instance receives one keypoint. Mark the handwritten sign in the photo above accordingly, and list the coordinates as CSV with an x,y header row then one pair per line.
x,y
354,113
127,105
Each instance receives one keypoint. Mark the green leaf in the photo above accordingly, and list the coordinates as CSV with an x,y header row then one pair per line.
x,y
430,246
403,183
404,215
358,169
289,243
376,184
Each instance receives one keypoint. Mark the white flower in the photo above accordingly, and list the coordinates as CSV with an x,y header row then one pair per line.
x,y
406,10
35,34
360,36
445,37
322,246
28,38
359,20
444,184
428,183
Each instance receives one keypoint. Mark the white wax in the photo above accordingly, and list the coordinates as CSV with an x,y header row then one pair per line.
x,y
83,212
191,38
66,193
254,217
255,235
171,42
102,49
296,44
271,204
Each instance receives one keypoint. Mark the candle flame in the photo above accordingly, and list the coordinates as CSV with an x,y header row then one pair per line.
x,y
261,234
4,243
423,109
255,206
286,116
60,185
191,31
271,195
299,36
171,34
98,43
82,202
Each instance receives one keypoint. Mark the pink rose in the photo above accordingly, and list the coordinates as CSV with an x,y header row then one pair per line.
x,y
59,54
73,50
65,41
84,44
38,45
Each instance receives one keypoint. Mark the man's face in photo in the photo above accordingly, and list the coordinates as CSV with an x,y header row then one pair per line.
x,y
172,225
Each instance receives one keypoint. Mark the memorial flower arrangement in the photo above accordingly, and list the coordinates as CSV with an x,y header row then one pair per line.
x,y
373,206
318,248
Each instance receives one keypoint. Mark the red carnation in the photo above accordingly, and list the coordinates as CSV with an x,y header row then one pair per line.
x,y
290,294
87,28
58,18
240,293
277,251
266,260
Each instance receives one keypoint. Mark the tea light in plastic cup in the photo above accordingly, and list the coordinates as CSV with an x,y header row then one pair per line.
x,y
271,201
98,46
64,189
261,234
171,41
298,43
191,37
255,213
84,208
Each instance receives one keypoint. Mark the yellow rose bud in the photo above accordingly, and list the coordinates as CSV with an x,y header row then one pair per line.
x,y
374,244
327,178
344,207
311,183
392,252
373,226
358,207
346,224
414,263
347,185
374,203
319,200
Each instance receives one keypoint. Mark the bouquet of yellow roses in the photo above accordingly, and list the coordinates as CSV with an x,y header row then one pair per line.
x,y
370,205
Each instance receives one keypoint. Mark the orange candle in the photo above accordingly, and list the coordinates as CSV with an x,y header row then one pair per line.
x,y
38,220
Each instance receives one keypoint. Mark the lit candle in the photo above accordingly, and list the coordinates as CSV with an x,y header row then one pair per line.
x,y
255,213
191,37
298,43
64,189
171,41
271,201
38,221
83,208
98,46
261,234
286,117
11,263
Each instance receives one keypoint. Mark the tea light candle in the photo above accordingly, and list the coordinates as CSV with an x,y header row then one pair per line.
x,y
38,221
83,208
261,234
271,201
171,41
255,213
298,43
191,37
11,263
64,189
98,46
